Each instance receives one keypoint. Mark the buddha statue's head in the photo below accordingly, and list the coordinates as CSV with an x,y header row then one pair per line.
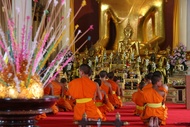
x,y
128,31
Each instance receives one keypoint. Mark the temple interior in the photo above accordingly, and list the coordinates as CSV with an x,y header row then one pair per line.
x,y
131,46
130,38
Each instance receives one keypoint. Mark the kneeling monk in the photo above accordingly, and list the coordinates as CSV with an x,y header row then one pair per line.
x,y
84,90
155,112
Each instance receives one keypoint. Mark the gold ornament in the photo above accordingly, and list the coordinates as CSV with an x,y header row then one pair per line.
x,y
12,92
2,91
146,18
14,85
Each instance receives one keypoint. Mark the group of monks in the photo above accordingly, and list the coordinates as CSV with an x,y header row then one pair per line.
x,y
150,100
83,95
58,87
96,97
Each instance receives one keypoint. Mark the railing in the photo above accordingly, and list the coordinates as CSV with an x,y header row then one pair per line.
x,y
117,123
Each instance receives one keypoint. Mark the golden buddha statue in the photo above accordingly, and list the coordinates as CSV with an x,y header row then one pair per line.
x,y
75,70
146,17
162,69
99,52
144,67
85,55
137,67
127,44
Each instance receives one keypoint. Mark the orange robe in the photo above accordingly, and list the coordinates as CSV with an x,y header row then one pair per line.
x,y
166,108
154,106
57,89
105,88
71,100
114,98
120,97
83,90
109,105
64,103
102,105
147,86
137,98
41,116
47,91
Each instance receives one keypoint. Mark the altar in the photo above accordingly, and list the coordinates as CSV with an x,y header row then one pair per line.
x,y
130,69
177,89
130,56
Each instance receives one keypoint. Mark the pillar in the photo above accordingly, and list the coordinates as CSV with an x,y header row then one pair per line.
x,y
183,22
188,25
25,7
67,23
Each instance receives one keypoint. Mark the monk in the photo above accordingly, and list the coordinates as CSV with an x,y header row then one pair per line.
x,y
101,103
137,98
65,102
149,85
148,82
106,86
115,91
55,89
117,80
154,113
84,90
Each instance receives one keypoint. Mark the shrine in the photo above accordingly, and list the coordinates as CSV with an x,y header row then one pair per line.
x,y
89,60
132,58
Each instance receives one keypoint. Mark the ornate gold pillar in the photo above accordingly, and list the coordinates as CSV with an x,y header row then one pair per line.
x,y
176,24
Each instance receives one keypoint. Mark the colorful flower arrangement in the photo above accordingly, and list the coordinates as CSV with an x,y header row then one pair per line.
x,y
23,57
179,57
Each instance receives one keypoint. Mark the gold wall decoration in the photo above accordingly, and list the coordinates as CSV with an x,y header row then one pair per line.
x,y
145,16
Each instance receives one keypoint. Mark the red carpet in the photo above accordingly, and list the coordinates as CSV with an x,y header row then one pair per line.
x,y
178,116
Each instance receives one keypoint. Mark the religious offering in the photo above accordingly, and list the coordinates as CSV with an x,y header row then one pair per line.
x,y
23,57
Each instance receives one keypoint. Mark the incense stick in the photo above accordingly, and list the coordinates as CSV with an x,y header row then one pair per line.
x,y
47,33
